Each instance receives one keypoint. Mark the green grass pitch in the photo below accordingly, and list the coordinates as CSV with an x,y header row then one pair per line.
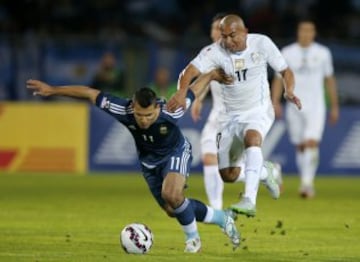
x,y
78,218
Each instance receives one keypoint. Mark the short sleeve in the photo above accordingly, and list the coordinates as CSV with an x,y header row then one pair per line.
x,y
274,57
205,60
328,63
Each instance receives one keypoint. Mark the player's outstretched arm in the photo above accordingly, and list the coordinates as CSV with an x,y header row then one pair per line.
x,y
289,84
203,80
185,78
40,88
276,94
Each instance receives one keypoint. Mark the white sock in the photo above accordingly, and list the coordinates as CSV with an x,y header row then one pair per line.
x,y
299,157
311,162
253,165
191,230
214,186
263,173
241,177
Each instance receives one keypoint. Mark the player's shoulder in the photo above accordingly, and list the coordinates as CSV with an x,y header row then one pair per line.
x,y
106,100
211,49
293,47
260,42
258,38
320,47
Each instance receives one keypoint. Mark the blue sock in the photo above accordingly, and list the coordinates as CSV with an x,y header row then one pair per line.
x,y
200,209
218,218
211,215
186,217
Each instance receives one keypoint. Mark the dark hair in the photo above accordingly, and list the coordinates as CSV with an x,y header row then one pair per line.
x,y
145,97
219,16
306,20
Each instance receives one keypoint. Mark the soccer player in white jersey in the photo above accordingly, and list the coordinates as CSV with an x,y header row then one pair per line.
x,y
248,113
312,64
214,186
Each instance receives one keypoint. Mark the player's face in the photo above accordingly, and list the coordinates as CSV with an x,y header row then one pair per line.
x,y
215,30
306,33
145,117
233,37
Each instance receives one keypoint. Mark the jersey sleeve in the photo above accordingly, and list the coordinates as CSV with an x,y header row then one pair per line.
x,y
205,60
274,57
115,106
328,63
190,97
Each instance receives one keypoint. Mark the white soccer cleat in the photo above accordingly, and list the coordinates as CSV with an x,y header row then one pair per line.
x,y
193,245
230,230
244,207
274,179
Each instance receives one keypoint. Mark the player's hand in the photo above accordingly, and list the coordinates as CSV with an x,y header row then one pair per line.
x,y
219,75
278,110
196,110
39,88
176,101
293,99
334,115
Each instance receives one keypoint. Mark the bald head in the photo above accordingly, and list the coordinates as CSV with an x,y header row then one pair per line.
x,y
232,20
233,33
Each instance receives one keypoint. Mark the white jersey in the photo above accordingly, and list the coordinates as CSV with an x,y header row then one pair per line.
x,y
310,66
217,104
250,90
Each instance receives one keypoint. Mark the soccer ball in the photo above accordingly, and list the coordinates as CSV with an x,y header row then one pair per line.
x,y
136,238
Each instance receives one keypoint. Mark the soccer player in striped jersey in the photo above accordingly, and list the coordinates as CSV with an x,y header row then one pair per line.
x,y
164,152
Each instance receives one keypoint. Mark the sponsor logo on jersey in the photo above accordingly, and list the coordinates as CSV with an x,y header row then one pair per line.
x,y
163,130
105,103
256,57
239,63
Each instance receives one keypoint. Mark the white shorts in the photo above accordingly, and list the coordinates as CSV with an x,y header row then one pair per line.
x,y
208,138
305,124
230,138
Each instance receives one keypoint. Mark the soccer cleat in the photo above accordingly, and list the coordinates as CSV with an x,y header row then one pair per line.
x,y
245,207
193,245
273,180
230,229
307,192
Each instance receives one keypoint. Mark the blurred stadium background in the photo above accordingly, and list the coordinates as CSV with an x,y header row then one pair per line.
x,y
47,214
63,41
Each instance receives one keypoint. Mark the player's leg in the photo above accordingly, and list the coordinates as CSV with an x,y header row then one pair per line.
x,y
168,193
254,132
188,211
175,172
229,155
214,185
295,120
313,133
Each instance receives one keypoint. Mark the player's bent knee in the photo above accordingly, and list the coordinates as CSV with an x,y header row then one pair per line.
x,y
230,174
312,143
209,160
173,199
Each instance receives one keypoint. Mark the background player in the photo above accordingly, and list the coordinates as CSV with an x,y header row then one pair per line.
x,y
248,113
164,152
214,185
312,64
